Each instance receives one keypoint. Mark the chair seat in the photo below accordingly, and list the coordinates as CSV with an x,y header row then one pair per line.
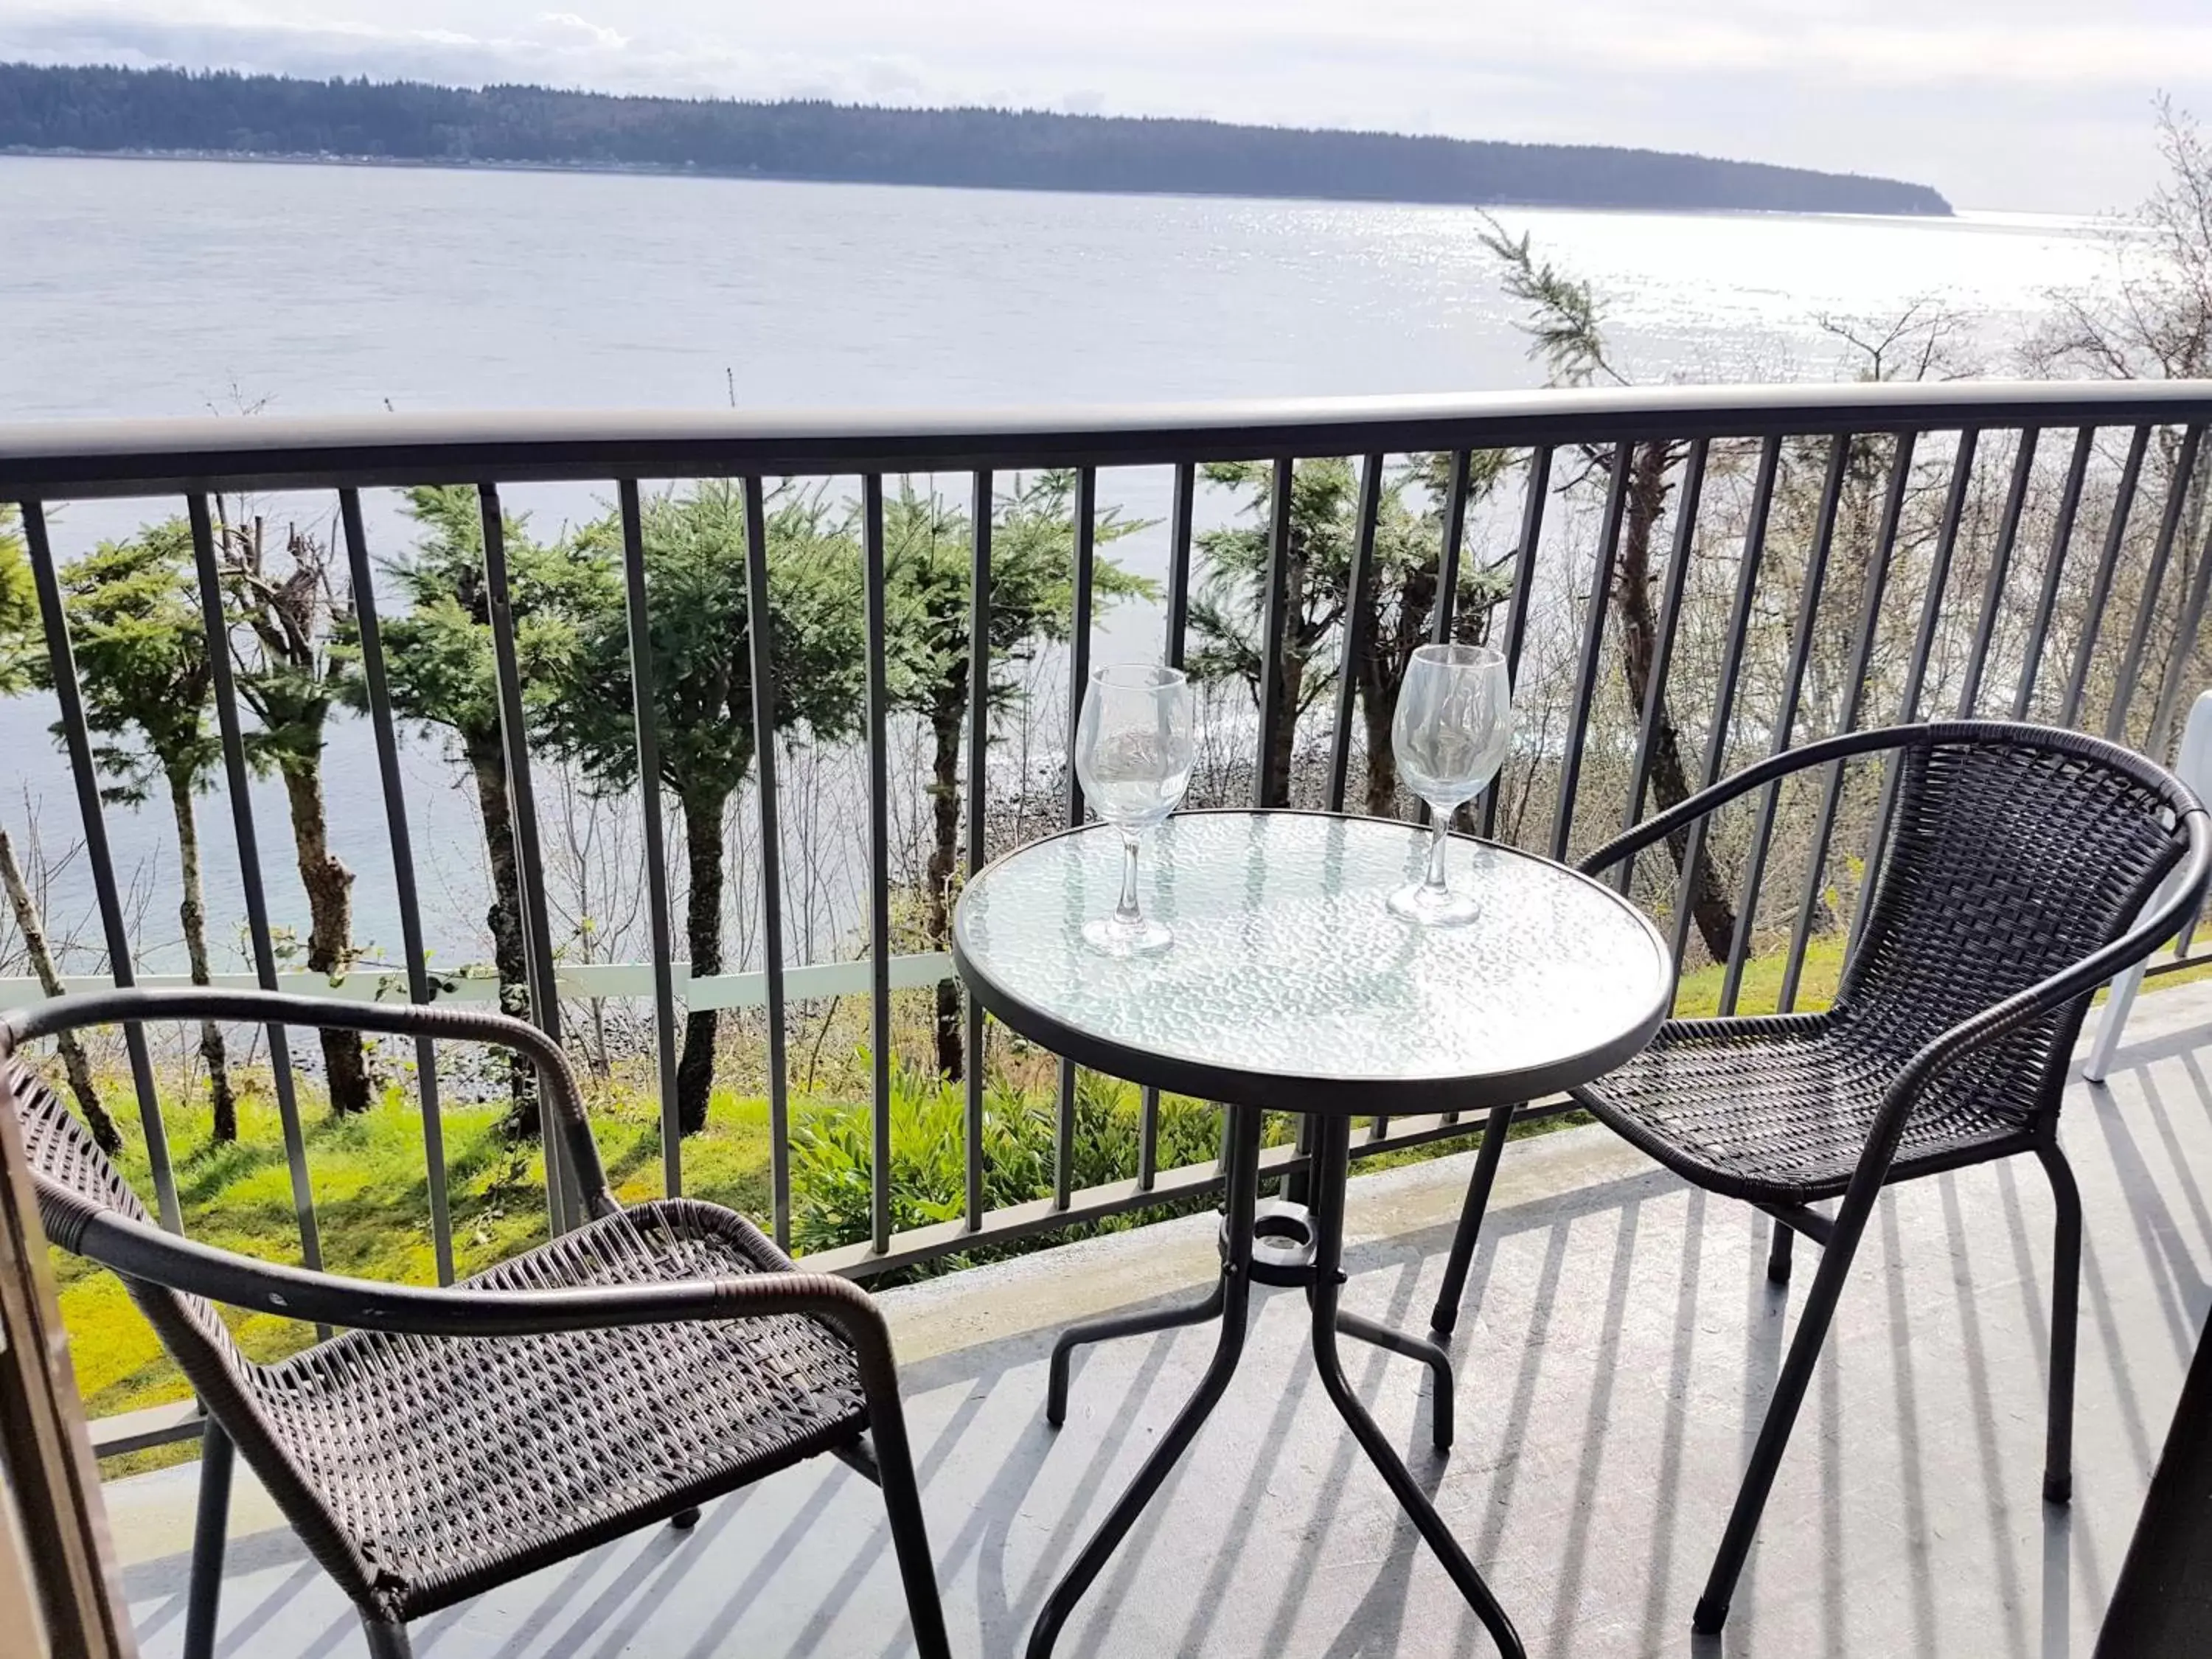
x,y
1777,1110
455,1463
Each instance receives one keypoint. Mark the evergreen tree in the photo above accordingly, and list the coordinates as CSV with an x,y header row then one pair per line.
x,y
142,658
1228,613
928,546
699,632
438,653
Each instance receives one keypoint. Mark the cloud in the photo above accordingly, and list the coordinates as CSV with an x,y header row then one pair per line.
x,y
613,38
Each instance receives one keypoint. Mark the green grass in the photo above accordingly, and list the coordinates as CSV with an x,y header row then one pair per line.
x,y
1700,995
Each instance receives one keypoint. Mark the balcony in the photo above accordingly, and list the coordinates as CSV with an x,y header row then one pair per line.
x,y
1686,580
1620,1344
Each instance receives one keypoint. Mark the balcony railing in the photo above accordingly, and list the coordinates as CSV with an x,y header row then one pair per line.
x,y
1683,580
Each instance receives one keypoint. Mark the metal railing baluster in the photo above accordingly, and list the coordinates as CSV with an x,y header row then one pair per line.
x,y
2062,537
1855,688
1785,720
1178,619
1267,790
1447,550
2023,469
879,857
1517,608
979,746
1747,585
1915,673
1358,598
1275,621
637,614
2187,631
2100,587
1594,616
215,627
560,1205
1079,681
385,733
77,737
760,626
2177,495
1682,550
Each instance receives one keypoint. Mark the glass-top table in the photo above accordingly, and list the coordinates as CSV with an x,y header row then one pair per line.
x,y
1291,987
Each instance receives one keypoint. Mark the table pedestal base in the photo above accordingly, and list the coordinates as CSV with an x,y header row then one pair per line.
x,y
1230,1302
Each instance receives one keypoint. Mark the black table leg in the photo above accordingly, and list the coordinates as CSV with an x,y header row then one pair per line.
x,y
1429,1352
1102,1330
1333,1162
1242,1158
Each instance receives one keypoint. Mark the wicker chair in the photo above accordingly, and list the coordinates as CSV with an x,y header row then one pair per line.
x,y
455,1439
2020,861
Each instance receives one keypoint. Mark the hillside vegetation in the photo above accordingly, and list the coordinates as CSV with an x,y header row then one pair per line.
x,y
109,110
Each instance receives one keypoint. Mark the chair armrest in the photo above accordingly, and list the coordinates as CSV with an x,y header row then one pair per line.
x,y
66,1013
2178,894
139,1251
1657,827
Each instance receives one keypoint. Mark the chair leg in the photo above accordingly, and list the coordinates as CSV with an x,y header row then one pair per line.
x,y
1446,1314
2065,1320
1777,1254
902,1505
386,1638
2119,1001
1789,1390
210,1533
684,1520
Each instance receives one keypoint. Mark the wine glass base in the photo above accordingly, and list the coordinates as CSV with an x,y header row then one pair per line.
x,y
1430,908
1111,936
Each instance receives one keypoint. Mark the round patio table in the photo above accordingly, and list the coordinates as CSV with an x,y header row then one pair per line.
x,y
1290,986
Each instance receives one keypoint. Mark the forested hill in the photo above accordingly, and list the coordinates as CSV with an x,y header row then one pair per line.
x,y
108,111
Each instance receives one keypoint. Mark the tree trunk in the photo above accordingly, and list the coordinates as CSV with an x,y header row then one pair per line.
x,y
193,914
1639,647
1381,672
488,768
703,816
1293,669
104,1133
1378,707
330,924
945,721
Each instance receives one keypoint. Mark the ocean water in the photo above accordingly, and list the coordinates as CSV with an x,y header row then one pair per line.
x,y
139,287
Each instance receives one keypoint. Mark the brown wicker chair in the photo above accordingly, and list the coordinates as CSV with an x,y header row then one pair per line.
x,y
2020,862
455,1439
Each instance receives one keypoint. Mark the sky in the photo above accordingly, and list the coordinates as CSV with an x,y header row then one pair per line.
x,y
2010,105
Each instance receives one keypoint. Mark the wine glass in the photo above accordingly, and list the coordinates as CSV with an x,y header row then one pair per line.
x,y
1453,726
1132,752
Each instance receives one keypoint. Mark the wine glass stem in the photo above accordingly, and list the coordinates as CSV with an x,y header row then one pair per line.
x,y
1126,912
1439,828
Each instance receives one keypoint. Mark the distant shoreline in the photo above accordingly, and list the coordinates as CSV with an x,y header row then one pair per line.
x,y
641,170
95,109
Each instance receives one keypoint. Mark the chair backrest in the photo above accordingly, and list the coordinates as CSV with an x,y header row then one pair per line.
x,y
75,1180
2013,853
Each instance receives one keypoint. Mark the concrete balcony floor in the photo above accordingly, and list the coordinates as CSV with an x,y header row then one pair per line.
x,y
1619,1343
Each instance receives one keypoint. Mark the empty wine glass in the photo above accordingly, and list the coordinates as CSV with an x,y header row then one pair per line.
x,y
1132,752
1451,732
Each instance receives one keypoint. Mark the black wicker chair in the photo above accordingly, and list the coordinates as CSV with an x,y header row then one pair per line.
x,y
455,1439
2019,863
